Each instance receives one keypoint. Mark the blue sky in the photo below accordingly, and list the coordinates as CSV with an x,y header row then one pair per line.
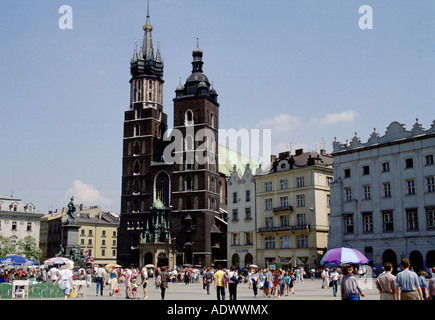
x,y
302,68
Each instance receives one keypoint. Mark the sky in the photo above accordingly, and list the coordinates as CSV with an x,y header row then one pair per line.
x,y
308,70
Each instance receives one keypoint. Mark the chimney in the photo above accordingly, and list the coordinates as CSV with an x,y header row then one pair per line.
x,y
299,152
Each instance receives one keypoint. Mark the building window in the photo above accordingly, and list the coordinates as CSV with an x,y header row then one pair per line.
x,y
412,219
367,195
347,173
367,222
348,224
269,243
329,181
248,238
248,195
409,163
430,213
235,214
348,194
14,225
366,170
299,182
284,184
429,159
268,204
301,219
29,226
302,241
283,201
285,242
300,200
268,186
385,167
387,217
188,118
284,221
387,190
136,130
430,184
90,232
248,213
234,239
234,197
328,200
269,222
411,186
150,90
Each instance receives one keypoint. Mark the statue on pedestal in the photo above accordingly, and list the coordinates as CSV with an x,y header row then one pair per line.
x,y
71,214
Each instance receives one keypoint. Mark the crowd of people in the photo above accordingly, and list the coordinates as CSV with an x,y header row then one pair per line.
x,y
278,283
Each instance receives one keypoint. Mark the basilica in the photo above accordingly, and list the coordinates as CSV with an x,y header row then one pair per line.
x,y
171,211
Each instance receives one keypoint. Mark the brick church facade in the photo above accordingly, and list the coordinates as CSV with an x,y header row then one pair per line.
x,y
186,191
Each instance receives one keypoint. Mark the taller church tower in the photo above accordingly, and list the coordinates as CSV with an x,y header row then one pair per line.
x,y
144,126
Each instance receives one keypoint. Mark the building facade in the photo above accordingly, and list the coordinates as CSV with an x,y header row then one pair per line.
x,y
241,242
188,187
383,196
18,220
292,201
98,233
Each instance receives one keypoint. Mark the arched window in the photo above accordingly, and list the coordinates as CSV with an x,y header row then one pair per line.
x,y
212,119
136,186
136,148
136,167
189,185
188,118
189,143
161,188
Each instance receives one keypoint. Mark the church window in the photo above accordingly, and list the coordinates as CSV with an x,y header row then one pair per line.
x,y
136,148
189,118
150,90
136,130
162,188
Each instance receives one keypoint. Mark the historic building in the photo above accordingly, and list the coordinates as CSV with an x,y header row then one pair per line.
x,y
292,202
241,218
97,235
189,187
383,196
18,220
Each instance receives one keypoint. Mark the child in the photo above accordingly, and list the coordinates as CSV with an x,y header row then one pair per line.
x,y
134,287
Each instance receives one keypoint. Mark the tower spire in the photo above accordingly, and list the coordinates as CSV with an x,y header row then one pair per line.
x,y
148,49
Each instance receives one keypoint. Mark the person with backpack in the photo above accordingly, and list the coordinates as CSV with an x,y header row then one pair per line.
x,y
162,281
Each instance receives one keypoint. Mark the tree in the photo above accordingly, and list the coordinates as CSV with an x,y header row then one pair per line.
x,y
6,246
29,248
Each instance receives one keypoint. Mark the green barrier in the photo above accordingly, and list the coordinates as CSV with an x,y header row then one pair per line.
x,y
5,291
45,290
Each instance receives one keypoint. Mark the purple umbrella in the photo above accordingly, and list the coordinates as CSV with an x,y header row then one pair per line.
x,y
343,256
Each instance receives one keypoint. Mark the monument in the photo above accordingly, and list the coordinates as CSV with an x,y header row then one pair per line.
x,y
69,247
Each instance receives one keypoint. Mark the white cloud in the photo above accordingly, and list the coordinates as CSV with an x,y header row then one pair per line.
x,y
86,194
334,118
282,123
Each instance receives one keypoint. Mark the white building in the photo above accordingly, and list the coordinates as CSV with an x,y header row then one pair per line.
x,y
18,220
241,218
383,196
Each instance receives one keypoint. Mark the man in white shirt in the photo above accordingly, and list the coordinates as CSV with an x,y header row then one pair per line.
x,y
54,273
101,279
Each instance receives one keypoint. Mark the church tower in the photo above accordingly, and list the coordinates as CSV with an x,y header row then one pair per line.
x,y
144,126
196,195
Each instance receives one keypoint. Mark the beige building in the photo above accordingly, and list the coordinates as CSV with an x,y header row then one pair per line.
x,y
292,203
98,233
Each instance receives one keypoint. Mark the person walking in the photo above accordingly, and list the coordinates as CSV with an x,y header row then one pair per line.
x,y
101,279
54,273
386,283
113,282
66,282
89,275
219,282
233,282
208,277
164,281
407,283
127,281
350,289
144,276
281,284
431,285
325,278
254,282
334,279
423,284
